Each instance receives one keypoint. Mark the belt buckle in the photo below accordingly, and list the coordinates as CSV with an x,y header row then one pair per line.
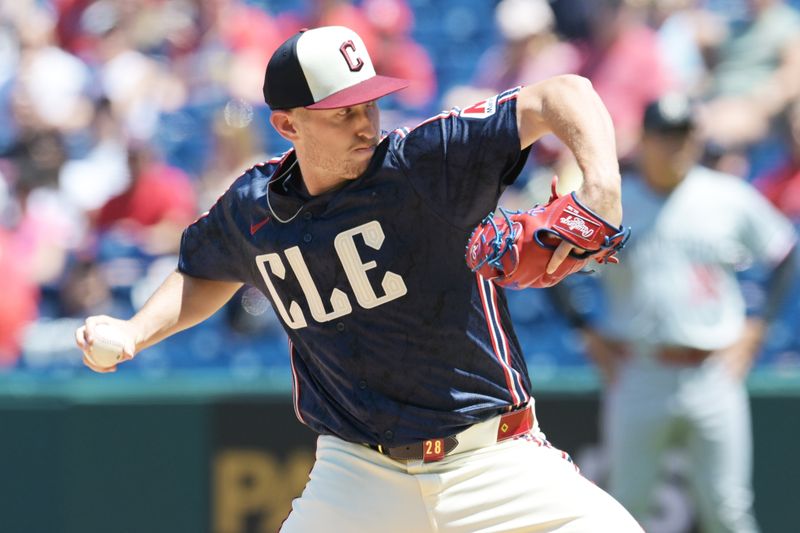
x,y
428,451
436,449
432,450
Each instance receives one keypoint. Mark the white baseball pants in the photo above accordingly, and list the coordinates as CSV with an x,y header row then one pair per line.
x,y
653,407
518,485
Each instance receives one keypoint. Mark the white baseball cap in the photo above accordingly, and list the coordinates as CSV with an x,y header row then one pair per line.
x,y
324,68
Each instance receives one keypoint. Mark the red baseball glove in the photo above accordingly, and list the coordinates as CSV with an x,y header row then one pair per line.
x,y
514,249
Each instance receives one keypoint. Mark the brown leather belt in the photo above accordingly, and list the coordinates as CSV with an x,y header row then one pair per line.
x,y
682,355
511,424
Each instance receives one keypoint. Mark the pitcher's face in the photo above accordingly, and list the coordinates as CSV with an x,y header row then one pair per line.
x,y
338,141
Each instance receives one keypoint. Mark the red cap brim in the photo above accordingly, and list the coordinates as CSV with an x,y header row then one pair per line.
x,y
370,89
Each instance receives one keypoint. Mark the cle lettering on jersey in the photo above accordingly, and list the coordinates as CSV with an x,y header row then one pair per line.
x,y
354,267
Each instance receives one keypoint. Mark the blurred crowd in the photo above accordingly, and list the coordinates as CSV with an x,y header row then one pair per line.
x,y
738,60
122,120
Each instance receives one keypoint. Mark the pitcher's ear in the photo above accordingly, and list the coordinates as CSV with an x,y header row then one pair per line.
x,y
284,124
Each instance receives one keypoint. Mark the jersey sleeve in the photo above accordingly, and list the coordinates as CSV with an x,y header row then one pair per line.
x,y
209,245
461,160
767,233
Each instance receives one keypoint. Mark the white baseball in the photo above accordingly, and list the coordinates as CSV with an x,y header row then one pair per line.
x,y
106,350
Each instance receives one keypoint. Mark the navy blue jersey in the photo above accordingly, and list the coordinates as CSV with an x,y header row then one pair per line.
x,y
392,338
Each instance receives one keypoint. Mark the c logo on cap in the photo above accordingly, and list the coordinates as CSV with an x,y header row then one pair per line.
x,y
356,65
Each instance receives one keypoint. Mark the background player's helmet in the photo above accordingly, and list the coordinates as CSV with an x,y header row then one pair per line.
x,y
672,112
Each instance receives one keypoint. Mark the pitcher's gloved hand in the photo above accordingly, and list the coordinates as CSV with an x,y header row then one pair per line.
x,y
513,249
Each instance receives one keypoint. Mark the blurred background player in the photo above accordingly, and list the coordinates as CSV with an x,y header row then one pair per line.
x,y
673,343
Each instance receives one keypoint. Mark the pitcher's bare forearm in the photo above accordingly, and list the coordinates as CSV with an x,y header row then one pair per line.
x,y
569,107
179,303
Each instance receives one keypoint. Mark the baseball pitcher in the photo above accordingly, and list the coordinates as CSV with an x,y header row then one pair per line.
x,y
403,359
